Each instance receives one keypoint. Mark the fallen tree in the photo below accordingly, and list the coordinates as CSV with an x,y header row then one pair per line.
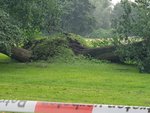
x,y
103,53
21,54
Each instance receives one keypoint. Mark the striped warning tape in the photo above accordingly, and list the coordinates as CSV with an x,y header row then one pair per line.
x,y
46,107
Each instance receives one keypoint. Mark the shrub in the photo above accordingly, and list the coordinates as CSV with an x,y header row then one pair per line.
x,y
101,43
102,33
51,49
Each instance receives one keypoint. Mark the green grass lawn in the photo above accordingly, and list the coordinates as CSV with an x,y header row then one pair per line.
x,y
4,58
81,82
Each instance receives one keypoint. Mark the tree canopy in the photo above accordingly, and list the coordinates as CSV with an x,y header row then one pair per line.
x,y
10,34
77,16
135,21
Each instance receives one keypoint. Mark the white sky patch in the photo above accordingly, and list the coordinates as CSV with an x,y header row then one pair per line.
x,y
114,2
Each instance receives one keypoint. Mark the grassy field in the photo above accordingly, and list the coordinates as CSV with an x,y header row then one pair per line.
x,y
4,58
81,82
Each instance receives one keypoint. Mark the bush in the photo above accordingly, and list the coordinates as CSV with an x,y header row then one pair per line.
x,y
52,49
102,33
72,36
101,43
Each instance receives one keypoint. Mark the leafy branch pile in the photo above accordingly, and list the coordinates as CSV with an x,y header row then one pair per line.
x,y
134,21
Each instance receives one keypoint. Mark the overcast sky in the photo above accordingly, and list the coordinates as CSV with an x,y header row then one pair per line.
x,y
116,1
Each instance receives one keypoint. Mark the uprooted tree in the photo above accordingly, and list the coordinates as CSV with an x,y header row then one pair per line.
x,y
46,48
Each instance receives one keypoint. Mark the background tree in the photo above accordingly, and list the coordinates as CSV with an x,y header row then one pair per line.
x,y
21,20
102,13
10,34
77,16
33,15
138,26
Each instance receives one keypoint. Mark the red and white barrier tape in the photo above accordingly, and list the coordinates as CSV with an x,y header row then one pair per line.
x,y
46,107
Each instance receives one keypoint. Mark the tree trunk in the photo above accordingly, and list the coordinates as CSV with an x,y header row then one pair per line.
x,y
103,53
19,54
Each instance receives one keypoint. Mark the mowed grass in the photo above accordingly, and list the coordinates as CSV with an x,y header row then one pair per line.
x,y
81,82
4,58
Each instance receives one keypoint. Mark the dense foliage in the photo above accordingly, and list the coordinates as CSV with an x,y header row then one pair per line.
x,y
102,33
22,19
49,49
77,16
10,34
33,15
135,20
102,13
